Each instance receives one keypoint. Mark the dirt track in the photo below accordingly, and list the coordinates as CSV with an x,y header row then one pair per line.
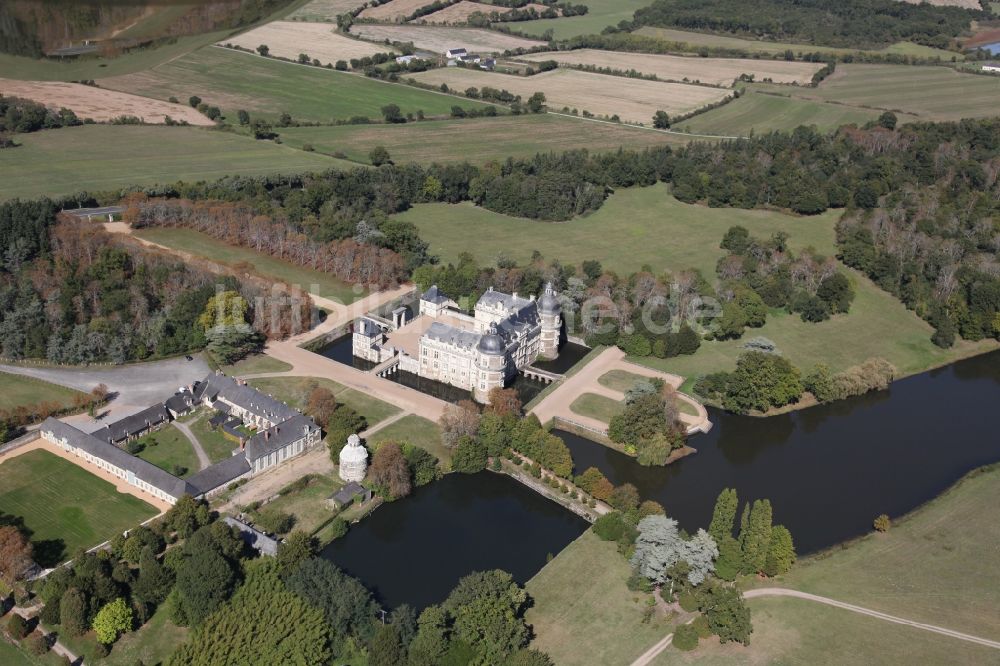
x,y
317,40
98,103
719,71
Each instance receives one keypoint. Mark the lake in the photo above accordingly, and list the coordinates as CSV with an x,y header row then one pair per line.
x,y
414,550
829,470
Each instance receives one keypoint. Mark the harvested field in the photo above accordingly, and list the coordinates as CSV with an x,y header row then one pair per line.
x,y
439,38
633,100
288,39
395,10
458,13
100,104
719,71
929,93
324,10
477,140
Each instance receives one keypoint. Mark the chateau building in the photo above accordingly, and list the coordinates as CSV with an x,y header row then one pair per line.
x,y
477,352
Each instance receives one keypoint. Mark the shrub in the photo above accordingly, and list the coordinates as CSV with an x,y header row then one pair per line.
x,y
275,521
17,627
688,602
685,638
700,625
134,447
882,523
37,644
611,526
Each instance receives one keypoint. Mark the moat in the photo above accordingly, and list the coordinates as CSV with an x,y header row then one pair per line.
x,y
828,471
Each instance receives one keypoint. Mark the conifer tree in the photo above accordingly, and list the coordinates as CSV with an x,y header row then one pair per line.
x,y
780,552
757,537
724,515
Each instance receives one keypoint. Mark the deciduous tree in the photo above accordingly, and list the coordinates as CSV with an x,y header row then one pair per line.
x,y
113,620
389,472
15,554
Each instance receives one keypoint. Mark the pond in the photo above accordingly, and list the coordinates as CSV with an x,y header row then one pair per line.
x,y
341,350
829,470
415,550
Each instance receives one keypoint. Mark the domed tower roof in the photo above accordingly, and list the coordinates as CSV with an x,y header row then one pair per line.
x,y
354,451
492,343
548,303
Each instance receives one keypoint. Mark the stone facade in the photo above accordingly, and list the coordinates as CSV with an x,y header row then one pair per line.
x,y
477,352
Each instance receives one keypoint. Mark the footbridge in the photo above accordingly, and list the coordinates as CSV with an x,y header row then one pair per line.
x,y
532,372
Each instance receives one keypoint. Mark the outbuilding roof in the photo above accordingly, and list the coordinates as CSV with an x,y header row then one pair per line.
x,y
279,436
219,474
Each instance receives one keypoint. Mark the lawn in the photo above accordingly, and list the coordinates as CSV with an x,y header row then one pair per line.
x,y
294,391
217,446
11,655
64,506
648,226
110,157
619,380
153,643
18,391
877,325
933,565
795,631
202,245
596,406
309,504
696,39
600,14
930,93
583,613
267,88
760,113
477,140
417,431
169,447
255,364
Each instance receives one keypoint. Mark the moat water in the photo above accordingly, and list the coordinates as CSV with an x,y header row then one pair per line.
x,y
414,550
829,470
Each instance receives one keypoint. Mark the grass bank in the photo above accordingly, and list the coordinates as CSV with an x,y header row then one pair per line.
x,y
19,391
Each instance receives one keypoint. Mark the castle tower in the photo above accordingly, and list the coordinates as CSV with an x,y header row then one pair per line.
x,y
550,312
353,460
491,364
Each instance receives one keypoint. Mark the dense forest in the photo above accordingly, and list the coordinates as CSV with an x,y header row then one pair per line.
x,y
72,293
848,23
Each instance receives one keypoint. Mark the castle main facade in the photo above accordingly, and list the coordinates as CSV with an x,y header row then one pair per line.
x,y
476,352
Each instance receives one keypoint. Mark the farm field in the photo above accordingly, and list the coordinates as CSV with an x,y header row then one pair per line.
x,y
588,574
718,71
458,13
394,10
761,112
99,104
19,391
696,39
440,38
288,39
206,247
931,93
648,225
63,505
877,325
633,100
477,140
324,10
267,88
108,157
601,14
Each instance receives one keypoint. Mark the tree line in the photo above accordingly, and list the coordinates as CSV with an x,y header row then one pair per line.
x,y
851,23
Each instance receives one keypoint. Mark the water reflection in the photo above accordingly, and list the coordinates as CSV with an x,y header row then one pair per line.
x,y
829,470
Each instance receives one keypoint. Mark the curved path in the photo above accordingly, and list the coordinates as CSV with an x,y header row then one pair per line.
x,y
649,655
203,460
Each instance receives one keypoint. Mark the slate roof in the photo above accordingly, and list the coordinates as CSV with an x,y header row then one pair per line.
x,y
256,539
452,335
131,425
247,397
219,474
179,402
434,295
278,437
143,470
492,298
347,494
